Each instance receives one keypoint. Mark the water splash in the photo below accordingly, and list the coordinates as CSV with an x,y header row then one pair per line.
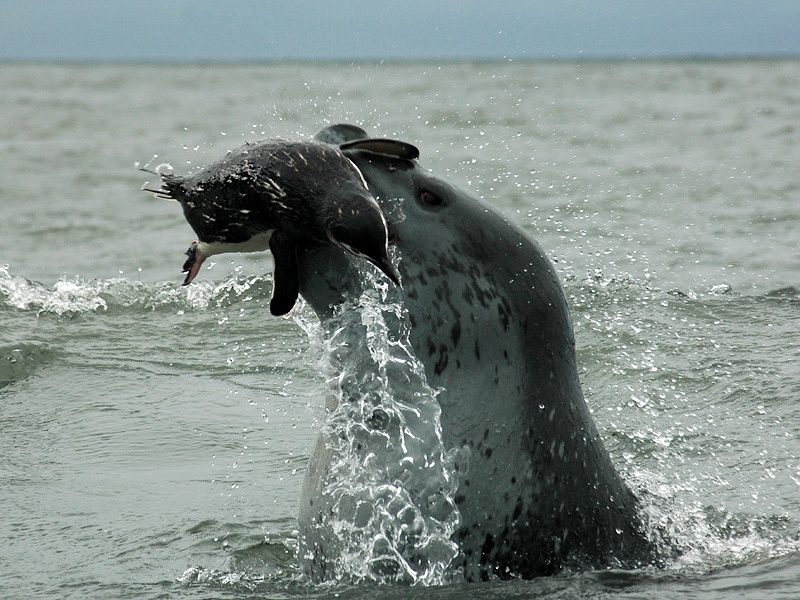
x,y
674,392
65,296
391,482
697,539
71,296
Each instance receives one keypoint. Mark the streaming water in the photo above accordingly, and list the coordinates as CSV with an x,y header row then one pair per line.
x,y
392,481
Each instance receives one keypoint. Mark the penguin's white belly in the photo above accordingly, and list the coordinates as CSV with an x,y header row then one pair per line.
x,y
257,243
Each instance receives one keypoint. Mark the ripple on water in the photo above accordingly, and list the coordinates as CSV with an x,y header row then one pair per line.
x,y
19,361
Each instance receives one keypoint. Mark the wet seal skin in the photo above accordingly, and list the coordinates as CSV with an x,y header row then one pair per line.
x,y
490,322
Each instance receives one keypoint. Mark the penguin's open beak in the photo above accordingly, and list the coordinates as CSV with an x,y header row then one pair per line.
x,y
192,265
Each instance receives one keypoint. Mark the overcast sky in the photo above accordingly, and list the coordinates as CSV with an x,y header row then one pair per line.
x,y
389,29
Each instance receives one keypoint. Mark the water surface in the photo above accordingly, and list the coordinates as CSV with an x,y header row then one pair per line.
x,y
155,437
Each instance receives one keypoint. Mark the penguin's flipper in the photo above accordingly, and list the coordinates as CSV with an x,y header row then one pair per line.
x,y
285,277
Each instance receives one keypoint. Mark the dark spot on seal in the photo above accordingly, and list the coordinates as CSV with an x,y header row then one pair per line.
x,y
468,295
502,311
432,271
488,453
488,546
444,358
477,350
459,499
455,333
441,293
480,294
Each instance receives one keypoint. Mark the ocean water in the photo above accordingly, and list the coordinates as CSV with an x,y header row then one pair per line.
x,y
153,438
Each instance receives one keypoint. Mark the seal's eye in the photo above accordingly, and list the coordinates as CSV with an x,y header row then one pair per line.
x,y
429,198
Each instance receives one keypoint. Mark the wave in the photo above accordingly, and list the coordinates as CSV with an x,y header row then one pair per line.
x,y
75,295
627,285
71,296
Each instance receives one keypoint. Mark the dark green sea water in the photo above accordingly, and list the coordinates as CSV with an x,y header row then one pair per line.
x,y
154,438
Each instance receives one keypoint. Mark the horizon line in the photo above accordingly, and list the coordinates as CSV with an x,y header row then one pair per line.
x,y
377,60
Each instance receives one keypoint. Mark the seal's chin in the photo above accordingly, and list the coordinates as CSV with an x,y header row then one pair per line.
x,y
192,265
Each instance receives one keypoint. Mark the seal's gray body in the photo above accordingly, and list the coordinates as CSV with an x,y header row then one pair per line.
x,y
491,324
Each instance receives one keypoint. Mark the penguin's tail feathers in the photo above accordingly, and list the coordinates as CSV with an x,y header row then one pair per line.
x,y
171,185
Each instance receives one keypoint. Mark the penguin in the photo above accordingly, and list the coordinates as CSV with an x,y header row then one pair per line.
x,y
272,194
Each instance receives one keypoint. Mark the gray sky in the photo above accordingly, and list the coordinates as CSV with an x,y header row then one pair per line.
x,y
412,29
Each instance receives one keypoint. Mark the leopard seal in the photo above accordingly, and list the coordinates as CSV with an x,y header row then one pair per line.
x,y
490,322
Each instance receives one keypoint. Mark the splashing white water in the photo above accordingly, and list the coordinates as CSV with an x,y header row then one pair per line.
x,y
391,482
74,295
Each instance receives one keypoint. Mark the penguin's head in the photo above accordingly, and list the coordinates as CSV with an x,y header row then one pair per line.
x,y
359,227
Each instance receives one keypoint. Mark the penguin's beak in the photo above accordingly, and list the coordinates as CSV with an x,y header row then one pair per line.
x,y
192,265
380,260
385,265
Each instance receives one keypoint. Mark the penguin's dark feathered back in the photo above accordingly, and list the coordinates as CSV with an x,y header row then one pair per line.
x,y
273,193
